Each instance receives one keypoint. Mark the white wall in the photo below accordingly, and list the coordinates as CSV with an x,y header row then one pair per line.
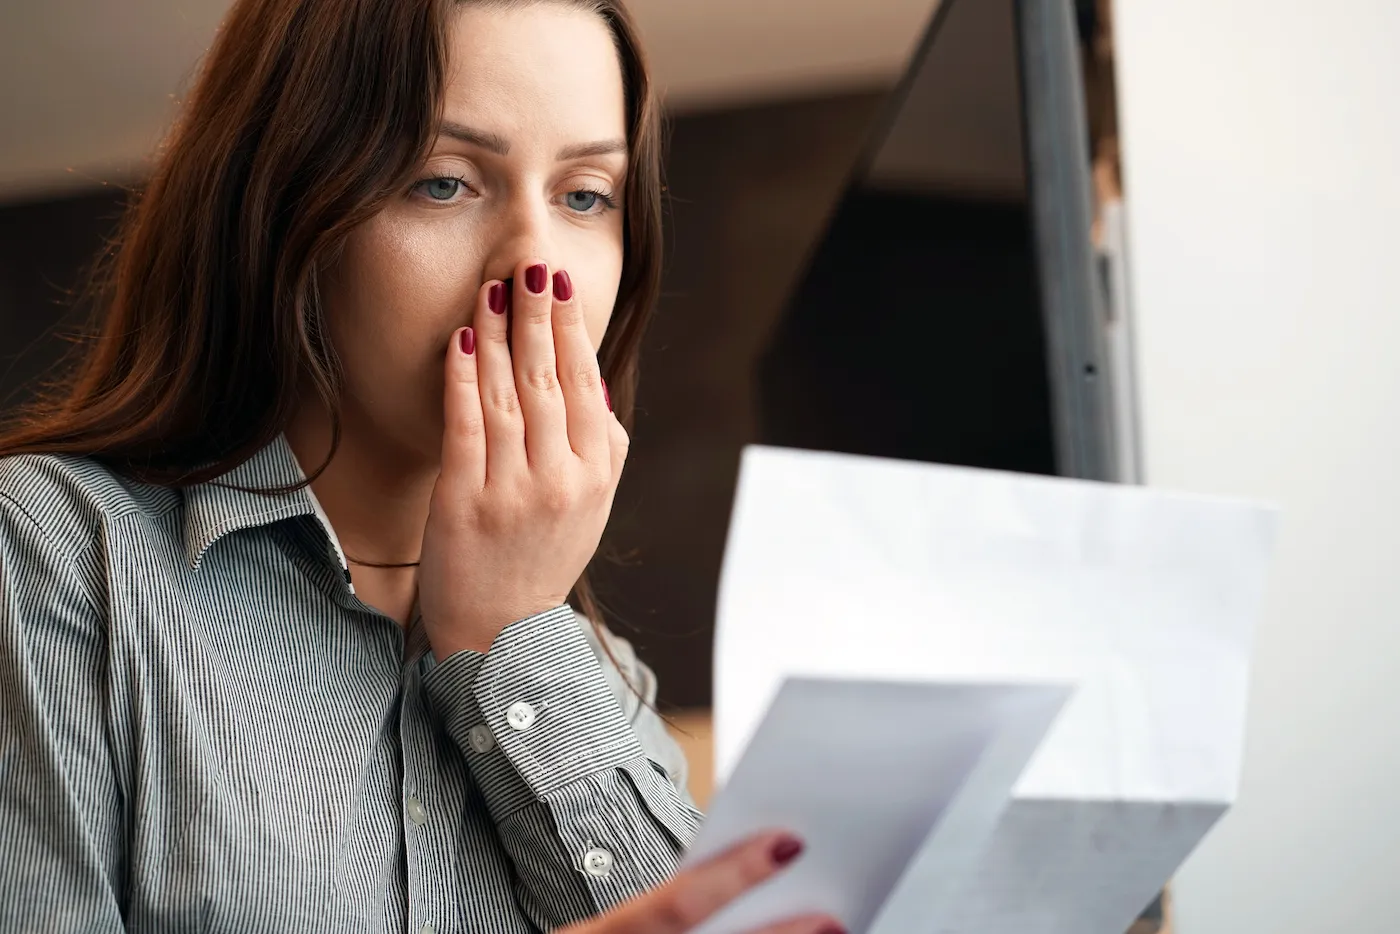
x,y
1262,142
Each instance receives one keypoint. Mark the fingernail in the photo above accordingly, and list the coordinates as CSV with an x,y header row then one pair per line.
x,y
786,850
535,278
563,286
607,396
496,298
468,341
833,929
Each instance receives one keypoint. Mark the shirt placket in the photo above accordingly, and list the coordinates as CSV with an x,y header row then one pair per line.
x,y
428,804
426,801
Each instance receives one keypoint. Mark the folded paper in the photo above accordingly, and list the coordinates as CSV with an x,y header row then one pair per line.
x,y
856,570
940,757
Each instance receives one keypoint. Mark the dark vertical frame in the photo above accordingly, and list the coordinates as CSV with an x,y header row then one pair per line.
x,y
1059,188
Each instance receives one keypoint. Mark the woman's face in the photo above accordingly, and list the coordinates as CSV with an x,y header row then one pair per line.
x,y
529,166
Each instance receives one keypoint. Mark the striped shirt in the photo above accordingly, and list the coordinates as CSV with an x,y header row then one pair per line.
x,y
203,729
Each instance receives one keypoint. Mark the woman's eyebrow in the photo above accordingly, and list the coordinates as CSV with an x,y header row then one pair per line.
x,y
491,142
605,147
494,142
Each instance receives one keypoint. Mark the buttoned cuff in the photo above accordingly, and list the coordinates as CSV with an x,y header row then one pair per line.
x,y
534,714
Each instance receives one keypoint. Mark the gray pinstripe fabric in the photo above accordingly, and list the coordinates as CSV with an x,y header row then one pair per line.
x,y
202,729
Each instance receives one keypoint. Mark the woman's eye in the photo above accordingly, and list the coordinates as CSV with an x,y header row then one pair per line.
x,y
583,201
442,189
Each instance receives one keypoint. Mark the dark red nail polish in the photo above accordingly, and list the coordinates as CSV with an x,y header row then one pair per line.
x,y
786,850
833,929
496,298
563,286
468,341
607,396
536,278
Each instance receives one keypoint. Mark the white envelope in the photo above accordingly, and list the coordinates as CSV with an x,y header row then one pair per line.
x,y
864,569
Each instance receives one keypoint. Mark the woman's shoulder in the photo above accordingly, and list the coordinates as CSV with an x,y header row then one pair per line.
x,y
70,498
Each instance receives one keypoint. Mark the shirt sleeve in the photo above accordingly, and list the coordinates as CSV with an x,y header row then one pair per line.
x,y
60,807
582,780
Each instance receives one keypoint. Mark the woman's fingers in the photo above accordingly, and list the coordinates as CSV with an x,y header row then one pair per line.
x,y
696,894
500,402
539,396
536,369
464,435
586,412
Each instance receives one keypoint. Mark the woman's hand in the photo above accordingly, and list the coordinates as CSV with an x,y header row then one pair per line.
x,y
696,894
531,457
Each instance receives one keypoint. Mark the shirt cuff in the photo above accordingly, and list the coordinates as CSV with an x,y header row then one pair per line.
x,y
534,714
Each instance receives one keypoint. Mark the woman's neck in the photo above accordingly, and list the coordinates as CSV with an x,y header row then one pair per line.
x,y
376,497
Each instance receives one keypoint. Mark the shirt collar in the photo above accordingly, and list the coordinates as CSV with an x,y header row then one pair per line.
x,y
227,504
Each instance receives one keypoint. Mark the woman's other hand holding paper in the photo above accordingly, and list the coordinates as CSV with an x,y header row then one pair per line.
x,y
694,895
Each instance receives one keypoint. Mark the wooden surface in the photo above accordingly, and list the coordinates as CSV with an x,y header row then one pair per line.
x,y
692,730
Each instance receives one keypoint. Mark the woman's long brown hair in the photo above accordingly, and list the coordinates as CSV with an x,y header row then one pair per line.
x,y
306,117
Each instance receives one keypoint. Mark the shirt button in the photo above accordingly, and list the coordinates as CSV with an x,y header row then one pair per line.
x,y
480,738
598,862
416,812
520,716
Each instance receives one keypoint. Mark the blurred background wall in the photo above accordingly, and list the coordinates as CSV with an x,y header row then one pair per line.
x,y
1260,146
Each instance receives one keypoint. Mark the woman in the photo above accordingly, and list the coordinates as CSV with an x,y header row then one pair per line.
x,y
400,250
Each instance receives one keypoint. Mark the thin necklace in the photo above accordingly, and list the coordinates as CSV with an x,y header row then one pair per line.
x,y
377,564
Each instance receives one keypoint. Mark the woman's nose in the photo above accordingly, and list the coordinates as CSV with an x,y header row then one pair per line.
x,y
521,235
